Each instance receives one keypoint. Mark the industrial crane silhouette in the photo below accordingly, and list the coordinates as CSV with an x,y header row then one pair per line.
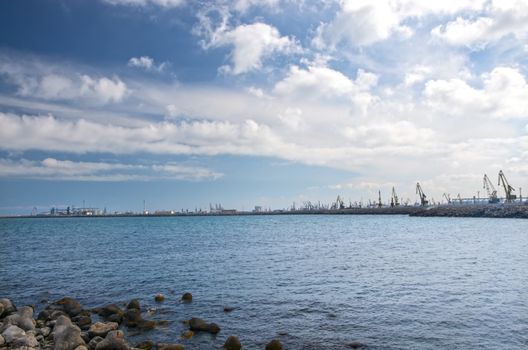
x,y
507,188
419,191
394,199
490,189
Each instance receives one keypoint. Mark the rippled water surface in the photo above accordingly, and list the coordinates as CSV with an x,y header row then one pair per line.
x,y
314,282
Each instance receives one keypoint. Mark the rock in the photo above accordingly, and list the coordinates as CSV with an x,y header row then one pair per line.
x,y
112,313
159,297
187,335
93,343
113,341
356,345
69,305
1,309
82,321
232,343
23,318
28,340
66,335
44,315
85,336
44,331
58,313
165,346
187,297
132,317
274,345
199,325
2,340
228,308
145,345
11,333
7,306
100,329
147,324
134,304
81,347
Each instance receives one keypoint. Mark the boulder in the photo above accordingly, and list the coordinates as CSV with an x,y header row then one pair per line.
x,y
22,318
355,345
232,343
187,335
28,340
81,347
101,329
66,335
113,341
112,313
199,325
93,343
2,340
68,305
134,304
11,333
159,297
274,345
228,308
132,317
7,306
82,321
145,345
187,297
44,331
1,310
165,346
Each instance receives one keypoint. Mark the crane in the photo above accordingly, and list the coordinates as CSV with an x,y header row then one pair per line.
x,y
419,191
394,198
490,189
338,204
448,198
507,188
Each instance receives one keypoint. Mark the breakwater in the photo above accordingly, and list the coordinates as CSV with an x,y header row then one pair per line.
x,y
477,211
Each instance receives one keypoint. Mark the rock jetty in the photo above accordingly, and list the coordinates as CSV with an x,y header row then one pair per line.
x,y
477,211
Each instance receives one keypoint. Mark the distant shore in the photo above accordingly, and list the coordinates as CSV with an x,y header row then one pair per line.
x,y
453,210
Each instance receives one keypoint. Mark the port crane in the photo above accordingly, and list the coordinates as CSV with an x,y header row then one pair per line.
x,y
419,191
339,203
379,199
394,199
448,198
507,188
490,189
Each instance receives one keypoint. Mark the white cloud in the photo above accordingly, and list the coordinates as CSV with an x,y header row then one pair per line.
x,y
363,22
244,5
162,3
51,82
147,63
504,95
251,43
66,170
500,19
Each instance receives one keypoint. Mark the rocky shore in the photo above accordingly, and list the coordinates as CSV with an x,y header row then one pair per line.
x,y
66,325
477,211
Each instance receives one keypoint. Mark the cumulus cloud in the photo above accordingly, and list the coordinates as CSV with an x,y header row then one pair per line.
x,y
504,95
147,63
51,82
54,169
500,19
250,43
363,22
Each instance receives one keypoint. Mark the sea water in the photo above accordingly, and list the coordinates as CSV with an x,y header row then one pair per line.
x,y
314,282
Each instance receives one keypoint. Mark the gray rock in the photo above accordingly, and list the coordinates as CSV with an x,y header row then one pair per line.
x,y
8,307
101,329
23,318
85,336
28,340
66,335
12,333
165,346
132,317
2,340
68,305
93,343
81,347
1,309
45,331
82,321
145,345
113,341
199,325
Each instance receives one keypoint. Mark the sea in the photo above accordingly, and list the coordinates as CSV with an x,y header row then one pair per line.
x,y
311,281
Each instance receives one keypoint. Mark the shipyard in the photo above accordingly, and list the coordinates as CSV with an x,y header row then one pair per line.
x,y
490,204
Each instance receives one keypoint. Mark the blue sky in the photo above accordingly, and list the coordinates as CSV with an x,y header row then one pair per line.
x,y
257,102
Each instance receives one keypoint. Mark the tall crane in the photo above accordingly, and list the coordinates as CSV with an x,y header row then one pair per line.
x,y
507,188
490,189
448,198
419,191
394,198
379,199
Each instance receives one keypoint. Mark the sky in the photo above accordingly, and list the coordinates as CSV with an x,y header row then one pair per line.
x,y
184,103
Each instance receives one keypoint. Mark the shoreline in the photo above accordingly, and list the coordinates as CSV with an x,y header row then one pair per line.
x,y
519,211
